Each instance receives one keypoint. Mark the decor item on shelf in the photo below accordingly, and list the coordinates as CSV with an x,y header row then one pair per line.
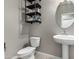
x,y
32,6
37,9
34,18
30,19
28,3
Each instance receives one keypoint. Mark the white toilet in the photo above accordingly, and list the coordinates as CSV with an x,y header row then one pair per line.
x,y
28,52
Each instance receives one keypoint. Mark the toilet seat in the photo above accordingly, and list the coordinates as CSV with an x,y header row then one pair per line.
x,y
27,50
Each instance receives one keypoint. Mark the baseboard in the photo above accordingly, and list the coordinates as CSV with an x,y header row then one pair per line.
x,y
41,55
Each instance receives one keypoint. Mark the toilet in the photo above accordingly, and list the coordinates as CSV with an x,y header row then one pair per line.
x,y
28,52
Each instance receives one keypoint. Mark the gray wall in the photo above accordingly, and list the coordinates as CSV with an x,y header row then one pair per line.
x,y
48,28
13,43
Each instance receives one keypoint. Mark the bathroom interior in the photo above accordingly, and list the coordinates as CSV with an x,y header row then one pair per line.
x,y
39,29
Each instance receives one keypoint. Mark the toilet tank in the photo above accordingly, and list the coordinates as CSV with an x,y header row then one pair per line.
x,y
35,41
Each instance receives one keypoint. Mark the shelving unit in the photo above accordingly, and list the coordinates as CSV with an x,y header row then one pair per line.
x,y
33,13
34,7
33,21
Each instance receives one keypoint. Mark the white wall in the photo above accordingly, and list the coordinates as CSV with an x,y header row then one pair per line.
x,y
12,28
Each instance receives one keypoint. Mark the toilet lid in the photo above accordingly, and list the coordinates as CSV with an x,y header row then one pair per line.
x,y
26,50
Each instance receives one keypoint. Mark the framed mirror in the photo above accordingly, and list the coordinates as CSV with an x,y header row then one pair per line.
x,y
65,14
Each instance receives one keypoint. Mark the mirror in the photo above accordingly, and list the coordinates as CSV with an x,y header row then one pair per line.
x,y
65,14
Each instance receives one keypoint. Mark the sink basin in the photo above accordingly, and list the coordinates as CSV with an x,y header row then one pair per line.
x,y
64,39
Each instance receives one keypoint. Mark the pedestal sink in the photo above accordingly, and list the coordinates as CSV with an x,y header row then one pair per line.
x,y
65,40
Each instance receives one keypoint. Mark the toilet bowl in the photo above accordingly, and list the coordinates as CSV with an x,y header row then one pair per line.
x,y
28,52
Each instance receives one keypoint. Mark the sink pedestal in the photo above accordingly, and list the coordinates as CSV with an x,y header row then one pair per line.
x,y
65,40
65,51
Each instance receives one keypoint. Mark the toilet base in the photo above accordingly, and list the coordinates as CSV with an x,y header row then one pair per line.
x,y
31,57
